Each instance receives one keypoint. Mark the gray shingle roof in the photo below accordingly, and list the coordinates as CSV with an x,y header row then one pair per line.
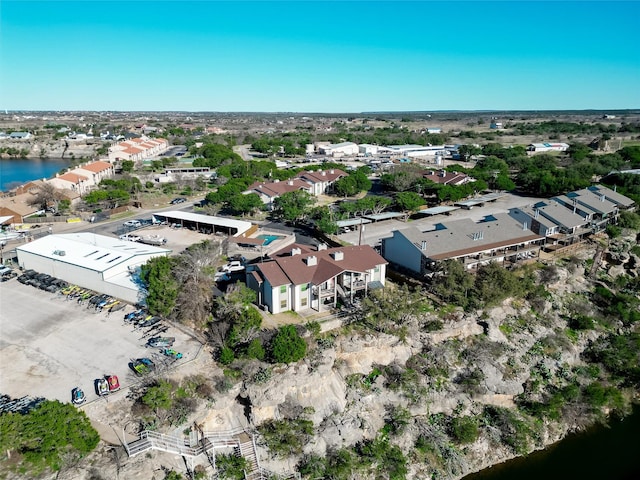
x,y
463,237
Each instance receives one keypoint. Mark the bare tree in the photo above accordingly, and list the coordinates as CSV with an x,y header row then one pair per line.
x,y
46,196
194,272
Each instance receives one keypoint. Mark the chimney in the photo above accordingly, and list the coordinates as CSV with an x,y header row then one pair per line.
x,y
322,246
536,214
290,182
524,225
276,181
331,172
602,198
423,245
295,251
324,174
311,261
337,256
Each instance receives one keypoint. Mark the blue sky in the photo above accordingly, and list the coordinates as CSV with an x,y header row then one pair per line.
x,y
312,56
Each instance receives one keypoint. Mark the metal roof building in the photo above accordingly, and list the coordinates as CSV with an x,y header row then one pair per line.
x,y
229,226
100,263
496,238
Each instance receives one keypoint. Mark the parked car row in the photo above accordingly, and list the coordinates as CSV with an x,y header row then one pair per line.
x,y
42,281
103,386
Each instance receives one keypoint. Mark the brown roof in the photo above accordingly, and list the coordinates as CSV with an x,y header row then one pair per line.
x,y
247,240
19,204
273,274
322,175
356,258
274,189
443,177
30,187
97,167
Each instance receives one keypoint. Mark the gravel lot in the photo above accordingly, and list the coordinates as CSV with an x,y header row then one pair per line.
x,y
50,345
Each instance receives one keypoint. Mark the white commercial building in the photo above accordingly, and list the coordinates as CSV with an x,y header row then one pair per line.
x,y
339,149
417,150
547,147
368,149
103,264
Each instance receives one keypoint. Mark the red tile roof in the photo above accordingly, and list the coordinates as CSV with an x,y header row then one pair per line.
x,y
97,167
73,177
132,150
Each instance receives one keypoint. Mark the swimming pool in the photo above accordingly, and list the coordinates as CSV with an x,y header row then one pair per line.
x,y
269,238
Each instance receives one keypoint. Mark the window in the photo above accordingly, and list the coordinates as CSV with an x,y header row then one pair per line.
x,y
304,287
283,289
377,269
283,304
303,302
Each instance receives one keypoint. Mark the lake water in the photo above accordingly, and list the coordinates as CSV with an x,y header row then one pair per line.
x,y
603,453
17,171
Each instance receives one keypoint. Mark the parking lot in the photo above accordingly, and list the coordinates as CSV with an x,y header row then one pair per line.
x,y
50,344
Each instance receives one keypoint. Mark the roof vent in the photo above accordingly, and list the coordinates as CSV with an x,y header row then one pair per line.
x,y
60,253
311,260
423,245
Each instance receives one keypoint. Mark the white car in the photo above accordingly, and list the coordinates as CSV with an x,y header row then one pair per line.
x,y
133,223
234,266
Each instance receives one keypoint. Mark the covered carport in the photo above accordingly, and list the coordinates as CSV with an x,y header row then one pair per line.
x,y
204,223
441,210
378,217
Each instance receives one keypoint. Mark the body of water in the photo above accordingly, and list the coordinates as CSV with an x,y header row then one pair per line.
x,y
602,452
17,171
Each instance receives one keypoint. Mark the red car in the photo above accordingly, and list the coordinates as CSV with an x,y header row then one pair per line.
x,y
114,383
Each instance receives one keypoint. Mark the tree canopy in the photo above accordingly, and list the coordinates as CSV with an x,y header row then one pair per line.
x,y
162,288
293,206
47,436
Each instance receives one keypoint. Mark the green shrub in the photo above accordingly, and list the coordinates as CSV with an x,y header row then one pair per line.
x,y
287,346
613,231
464,429
231,467
226,356
286,437
46,436
581,322
255,349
